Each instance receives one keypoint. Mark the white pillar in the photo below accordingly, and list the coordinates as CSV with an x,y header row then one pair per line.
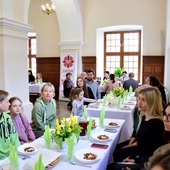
x,y
13,61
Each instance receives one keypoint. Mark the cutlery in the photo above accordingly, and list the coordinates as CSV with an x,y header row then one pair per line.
x,y
111,130
79,164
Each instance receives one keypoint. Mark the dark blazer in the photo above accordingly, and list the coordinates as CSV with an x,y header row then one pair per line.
x,y
130,82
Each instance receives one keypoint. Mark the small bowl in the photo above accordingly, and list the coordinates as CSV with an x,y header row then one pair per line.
x,y
7,167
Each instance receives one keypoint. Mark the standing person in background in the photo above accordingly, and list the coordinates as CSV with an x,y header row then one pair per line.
x,y
20,121
31,78
130,82
44,110
8,134
68,85
153,81
124,77
90,82
106,75
39,78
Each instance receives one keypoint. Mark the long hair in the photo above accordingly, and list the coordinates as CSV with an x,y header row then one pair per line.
x,y
112,77
75,92
3,95
154,101
155,82
12,99
84,88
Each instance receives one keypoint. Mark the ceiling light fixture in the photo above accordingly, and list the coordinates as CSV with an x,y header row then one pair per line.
x,y
47,9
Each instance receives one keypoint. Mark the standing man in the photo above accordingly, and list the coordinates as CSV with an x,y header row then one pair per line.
x,y
68,85
94,86
130,82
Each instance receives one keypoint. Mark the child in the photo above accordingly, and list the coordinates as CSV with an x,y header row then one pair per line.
x,y
20,121
44,110
8,134
39,78
78,100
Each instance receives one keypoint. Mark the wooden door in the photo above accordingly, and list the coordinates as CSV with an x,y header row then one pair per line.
x,y
153,66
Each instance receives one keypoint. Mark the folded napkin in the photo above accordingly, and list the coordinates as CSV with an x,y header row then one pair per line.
x,y
13,157
102,116
47,137
105,99
118,103
70,143
130,90
85,112
39,164
48,156
89,126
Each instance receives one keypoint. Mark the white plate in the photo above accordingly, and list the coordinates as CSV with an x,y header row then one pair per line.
x,y
129,103
36,147
125,108
80,156
110,126
94,105
97,134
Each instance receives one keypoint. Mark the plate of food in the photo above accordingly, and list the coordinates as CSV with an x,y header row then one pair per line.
x,y
94,105
102,136
29,148
93,124
88,156
129,103
125,108
111,125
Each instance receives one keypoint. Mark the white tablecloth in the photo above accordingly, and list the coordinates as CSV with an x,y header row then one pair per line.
x,y
82,144
114,113
35,88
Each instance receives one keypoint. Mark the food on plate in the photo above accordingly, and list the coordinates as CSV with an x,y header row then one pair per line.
x,y
53,163
29,149
103,137
126,107
90,156
113,124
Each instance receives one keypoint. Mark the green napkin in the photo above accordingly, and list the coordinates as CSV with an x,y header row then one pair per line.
x,y
85,112
130,90
89,126
126,94
47,137
70,143
39,164
118,103
102,116
105,100
13,157
123,98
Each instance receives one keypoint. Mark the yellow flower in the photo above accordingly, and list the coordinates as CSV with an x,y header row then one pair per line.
x,y
58,127
69,129
62,122
57,122
58,132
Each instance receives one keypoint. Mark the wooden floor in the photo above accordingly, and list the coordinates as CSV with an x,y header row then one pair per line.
x,y
62,110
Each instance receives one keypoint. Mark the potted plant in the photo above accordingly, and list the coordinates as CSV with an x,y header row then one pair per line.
x,y
118,72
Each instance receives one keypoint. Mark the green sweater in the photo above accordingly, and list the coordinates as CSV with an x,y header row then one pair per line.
x,y
8,135
43,114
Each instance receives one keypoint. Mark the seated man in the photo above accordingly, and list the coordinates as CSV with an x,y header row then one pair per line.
x,y
68,85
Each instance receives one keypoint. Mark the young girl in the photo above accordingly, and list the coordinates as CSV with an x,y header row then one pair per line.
x,y
39,78
20,121
8,134
78,100
44,110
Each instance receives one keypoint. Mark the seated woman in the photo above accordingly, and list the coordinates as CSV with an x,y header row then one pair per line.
x,y
44,110
39,78
150,134
20,121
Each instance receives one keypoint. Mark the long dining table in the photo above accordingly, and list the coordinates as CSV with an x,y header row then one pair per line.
x,y
83,143
125,112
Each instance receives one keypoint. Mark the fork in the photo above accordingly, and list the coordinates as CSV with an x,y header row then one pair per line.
x,y
75,163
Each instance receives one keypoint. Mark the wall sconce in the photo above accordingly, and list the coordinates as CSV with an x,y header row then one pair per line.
x,y
47,9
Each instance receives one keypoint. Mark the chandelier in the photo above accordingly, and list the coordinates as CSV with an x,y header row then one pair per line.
x,y
47,9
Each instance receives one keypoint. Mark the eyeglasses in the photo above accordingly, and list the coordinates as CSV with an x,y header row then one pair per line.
x,y
167,117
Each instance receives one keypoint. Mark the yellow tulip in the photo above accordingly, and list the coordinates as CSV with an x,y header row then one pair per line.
x,y
62,122
69,129
58,132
